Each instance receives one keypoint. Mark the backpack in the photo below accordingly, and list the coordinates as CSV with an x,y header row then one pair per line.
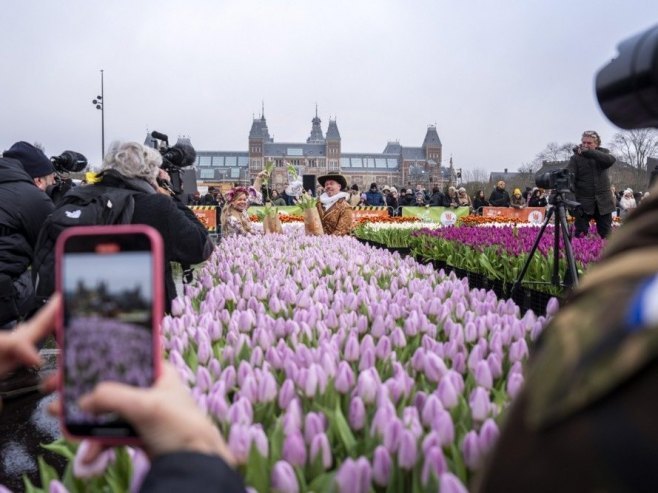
x,y
91,205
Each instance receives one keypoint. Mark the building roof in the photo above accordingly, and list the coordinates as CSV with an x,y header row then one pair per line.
x,y
392,147
316,130
369,162
295,149
431,138
259,130
413,153
332,131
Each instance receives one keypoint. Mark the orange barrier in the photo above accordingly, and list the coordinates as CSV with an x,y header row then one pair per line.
x,y
529,214
361,212
207,214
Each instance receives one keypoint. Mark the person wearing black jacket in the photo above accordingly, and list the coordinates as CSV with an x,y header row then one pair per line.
x,y
437,198
589,165
479,202
132,166
24,206
499,196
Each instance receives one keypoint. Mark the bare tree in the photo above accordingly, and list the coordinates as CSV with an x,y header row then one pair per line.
x,y
635,146
551,153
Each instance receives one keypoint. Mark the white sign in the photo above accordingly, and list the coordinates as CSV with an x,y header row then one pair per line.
x,y
448,218
536,217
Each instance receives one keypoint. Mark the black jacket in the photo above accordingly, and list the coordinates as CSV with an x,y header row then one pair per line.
x,y
184,238
193,473
499,198
23,209
592,185
437,199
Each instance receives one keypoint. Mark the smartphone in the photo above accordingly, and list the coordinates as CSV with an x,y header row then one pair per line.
x,y
111,281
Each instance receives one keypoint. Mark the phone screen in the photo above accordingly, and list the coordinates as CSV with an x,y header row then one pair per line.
x,y
107,282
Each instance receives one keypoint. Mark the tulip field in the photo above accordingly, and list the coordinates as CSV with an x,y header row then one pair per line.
x,y
333,366
330,365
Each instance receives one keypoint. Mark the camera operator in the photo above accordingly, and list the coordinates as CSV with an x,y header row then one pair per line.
x,y
129,166
25,173
64,164
590,164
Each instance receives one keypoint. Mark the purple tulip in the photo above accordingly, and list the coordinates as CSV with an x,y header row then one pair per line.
x,y
55,486
435,368
366,386
320,445
292,420
480,404
141,466
495,365
313,425
471,450
518,351
97,467
434,463
357,414
514,384
294,449
430,409
449,483
392,435
344,378
408,450
483,375
444,428
383,348
447,393
284,479
286,393
488,435
354,476
239,441
351,351
381,466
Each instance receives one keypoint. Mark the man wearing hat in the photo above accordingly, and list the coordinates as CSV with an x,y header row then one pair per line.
x,y
333,206
374,196
25,172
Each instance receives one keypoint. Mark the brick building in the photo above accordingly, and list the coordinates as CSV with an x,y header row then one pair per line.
x,y
397,165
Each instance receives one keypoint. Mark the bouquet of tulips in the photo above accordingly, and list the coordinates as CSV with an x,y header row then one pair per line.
x,y
312,222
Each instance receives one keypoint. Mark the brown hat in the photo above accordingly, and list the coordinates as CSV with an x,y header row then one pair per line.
x,y
335,176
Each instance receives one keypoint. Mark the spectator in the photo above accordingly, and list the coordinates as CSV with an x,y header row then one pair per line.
x,y
463,199
374,196
392,201
538,198
517,201
406,198
419,199
355,196
479,202
452,200
211,197
499,196
590,164
437,198
276,199
194,198
627,203
25,172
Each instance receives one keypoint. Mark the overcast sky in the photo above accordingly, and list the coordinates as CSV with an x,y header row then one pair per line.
x,y
500,79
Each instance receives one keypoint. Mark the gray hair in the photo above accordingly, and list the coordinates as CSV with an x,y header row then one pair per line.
x,y
133,160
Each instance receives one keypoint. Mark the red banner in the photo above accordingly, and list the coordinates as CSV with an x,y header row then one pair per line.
x,y
207,214
530,214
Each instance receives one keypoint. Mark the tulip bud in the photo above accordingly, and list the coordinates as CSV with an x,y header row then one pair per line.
x,y
435,463
434,367
447,393
480,404
444,427
488,435
357,415
320,445
392,434
83,469
313,425
430,409
514,384
286,394
367,386
408,450
483,375
284,479
471,450
267,389
294,449
449,483
351,351
344,378
381,466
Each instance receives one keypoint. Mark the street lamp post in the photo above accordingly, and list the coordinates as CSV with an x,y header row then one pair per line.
x,y
100,105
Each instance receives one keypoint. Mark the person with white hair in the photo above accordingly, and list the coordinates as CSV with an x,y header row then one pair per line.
x,y
627,203
129,168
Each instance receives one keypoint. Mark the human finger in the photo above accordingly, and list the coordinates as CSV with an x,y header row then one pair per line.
x,y
49,384
43,322
131,403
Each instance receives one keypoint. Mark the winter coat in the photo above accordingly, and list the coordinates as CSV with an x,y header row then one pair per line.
x,y
23,209
479,203
437,199
499,198
591,181
337,220
374,198
184,238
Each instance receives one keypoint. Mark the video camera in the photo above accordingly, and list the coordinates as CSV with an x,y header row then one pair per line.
x,y
174,159
69,162
627,88
561,180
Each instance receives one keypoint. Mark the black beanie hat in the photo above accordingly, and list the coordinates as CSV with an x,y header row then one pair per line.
x,y
34,161
373,185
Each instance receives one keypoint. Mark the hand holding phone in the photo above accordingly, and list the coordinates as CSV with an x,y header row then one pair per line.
x,y
111,281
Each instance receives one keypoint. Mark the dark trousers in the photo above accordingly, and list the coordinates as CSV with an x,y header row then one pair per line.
x,y
603,223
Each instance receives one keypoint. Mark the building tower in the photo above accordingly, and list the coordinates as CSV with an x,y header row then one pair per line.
x,y
316,136
333,146
258,136
433,149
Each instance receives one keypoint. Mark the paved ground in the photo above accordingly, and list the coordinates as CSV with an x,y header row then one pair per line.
x,y
24,425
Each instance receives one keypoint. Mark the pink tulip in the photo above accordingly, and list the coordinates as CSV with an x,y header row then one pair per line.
x,y
381,466
284,479
320,445
97,467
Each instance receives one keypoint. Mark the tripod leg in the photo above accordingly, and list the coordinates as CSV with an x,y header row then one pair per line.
x,y
519,280
572,273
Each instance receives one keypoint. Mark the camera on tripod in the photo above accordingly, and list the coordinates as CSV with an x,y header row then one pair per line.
x,y
561,180
174,159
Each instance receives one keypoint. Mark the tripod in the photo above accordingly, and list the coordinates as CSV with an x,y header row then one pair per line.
x,y
559,214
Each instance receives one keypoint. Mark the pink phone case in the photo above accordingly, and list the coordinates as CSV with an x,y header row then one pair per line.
x,y
157,314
